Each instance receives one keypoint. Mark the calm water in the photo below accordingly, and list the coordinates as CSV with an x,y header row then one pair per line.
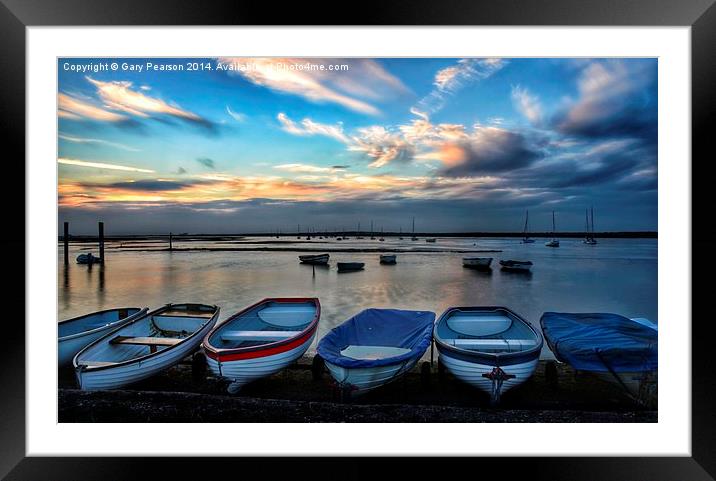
x,y
618,275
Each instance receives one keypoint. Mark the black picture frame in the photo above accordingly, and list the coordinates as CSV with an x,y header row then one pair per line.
x,y
700,15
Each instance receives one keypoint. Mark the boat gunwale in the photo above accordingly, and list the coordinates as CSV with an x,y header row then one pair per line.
x,y
217,352
496,358
84,368
118,323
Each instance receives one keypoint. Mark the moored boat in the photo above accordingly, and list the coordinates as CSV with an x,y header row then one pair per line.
x,y
350,266
76,333
145,346
554,242
262,339
88,258
388,258
491,348
477,262
525,232
615,348
516,266
375,347
316,259
432,240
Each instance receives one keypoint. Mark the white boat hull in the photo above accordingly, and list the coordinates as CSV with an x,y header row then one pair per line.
x,y
477,262
67,348
122,375
364,379
243,371
472,373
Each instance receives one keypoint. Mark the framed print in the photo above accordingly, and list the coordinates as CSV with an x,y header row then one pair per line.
x,y
426,232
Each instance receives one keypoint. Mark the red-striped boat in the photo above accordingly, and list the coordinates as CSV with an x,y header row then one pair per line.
x,y
262,339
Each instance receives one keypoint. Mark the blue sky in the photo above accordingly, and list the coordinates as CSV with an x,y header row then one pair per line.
x,y
262,144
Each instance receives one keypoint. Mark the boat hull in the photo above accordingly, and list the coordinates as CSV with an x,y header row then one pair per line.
x,y
364,379
315,260
515,266
477,262
388,259
476,373
243,371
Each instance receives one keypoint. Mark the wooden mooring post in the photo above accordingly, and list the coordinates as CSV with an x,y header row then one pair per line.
x,y
101,241
66,242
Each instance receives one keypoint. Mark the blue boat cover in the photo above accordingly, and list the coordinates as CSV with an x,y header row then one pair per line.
x,y
379,327
601,342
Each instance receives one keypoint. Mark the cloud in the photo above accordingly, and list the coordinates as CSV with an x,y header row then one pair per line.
x,y
616,99
206,162
100,165
527,104
181,171
309,127
234,115
382,146
81,140
314,80
76,109
305,168
450,80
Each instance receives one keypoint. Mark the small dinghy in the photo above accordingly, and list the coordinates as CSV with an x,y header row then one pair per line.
x,y
388,259
431,240
145,346
88,259
491,348
375,347
516,266
616,348
477,262
74,334
262,339
350,266
317,259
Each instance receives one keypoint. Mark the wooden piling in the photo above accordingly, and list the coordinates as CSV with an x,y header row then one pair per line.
x,y
101,241
66,242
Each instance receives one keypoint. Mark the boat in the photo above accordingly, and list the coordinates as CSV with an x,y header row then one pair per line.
x,y
618,349
375,347
490,348
431,240
589,231
526,239
477,262
315,259
88,258
76,333
262,339
146,346
516,266
388,258
350,266
413,238
554,242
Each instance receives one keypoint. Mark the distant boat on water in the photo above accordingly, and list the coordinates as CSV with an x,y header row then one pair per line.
x,y
431,240
315,259
88,258
526,239
388,259
350,266
516,266
589,231
477,262
554,242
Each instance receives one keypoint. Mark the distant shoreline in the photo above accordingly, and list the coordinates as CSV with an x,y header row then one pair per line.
x,y
352,234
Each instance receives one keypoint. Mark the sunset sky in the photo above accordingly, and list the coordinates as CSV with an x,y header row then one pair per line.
x,y
260,145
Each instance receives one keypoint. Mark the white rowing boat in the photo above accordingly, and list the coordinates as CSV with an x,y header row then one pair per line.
x,y
144,347
477,262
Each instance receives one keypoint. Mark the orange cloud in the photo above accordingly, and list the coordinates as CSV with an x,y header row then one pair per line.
x,y
73,108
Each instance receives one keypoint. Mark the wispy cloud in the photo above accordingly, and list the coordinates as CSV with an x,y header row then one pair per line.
x,y
451,79
306,168
309,127
206,162
235,115
73,108
82,140
100,165
527,104
313,79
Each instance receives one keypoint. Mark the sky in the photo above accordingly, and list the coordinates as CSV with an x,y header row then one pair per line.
x,y
241,145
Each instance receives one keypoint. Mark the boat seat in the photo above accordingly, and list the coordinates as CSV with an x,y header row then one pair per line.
x,y
257,335
96,363
493,344
146,341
